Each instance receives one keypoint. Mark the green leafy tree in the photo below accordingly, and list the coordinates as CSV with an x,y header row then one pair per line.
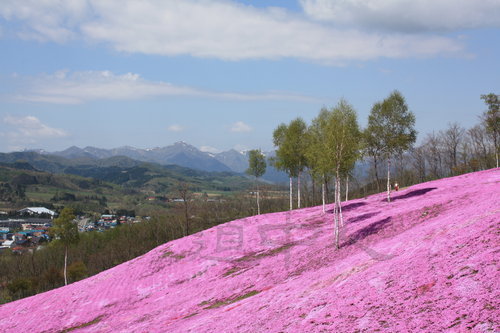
x,y
67,232
290,153
373,147
257,168
343,147
391,124
492,119
317,155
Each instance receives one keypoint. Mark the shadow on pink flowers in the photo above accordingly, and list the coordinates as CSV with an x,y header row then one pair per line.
x,y
367,231
362,217
412,194
349,207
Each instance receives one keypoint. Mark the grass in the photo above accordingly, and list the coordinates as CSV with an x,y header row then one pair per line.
x,y
231,271
228,301
34,196
431,211
170,254
191,315
266,254
87,324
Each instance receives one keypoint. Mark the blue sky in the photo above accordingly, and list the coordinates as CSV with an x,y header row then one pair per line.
x,y
223,74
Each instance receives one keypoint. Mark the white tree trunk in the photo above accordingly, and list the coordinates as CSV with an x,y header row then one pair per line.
x,y
323,196
388,180
258,200
298,190
65,265
291,198
337,212
336,221
341,218
347,188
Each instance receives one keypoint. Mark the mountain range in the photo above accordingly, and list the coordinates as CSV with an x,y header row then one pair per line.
x,y
179,153
122,170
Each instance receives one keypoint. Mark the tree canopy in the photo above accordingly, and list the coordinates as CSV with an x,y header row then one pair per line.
x,y
317,152
64,229
256,163
67,232
256,167
391,129
290,155
290,140
391,125
343,137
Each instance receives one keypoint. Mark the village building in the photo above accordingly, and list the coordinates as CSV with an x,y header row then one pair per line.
x,y
37,211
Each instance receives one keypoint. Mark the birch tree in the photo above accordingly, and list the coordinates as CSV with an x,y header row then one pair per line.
x,y
67,232
256,168
318,158
394,125
343,144
373,147
290,152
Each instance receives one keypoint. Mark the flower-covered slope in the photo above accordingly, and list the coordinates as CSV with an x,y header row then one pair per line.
x,y
427,261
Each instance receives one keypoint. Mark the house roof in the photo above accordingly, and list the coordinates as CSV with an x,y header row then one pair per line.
x,y
38,210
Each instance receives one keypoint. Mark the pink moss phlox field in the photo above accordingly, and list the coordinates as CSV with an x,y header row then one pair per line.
x,y
426,262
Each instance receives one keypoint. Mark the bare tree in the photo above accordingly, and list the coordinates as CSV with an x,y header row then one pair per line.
x,y
418,162
481,148
433,147
452,138
465,154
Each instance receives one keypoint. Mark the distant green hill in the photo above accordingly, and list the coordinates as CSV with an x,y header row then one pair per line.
x,y
32,178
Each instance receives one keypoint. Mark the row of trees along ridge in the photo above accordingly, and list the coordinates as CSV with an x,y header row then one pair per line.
x,y
333,143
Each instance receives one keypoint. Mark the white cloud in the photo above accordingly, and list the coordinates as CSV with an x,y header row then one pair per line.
x,y
215,29
28,130
49,20
63,87
407,15
240,127
175,128
209,149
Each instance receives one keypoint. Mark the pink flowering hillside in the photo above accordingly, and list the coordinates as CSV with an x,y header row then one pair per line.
x,y
425,262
